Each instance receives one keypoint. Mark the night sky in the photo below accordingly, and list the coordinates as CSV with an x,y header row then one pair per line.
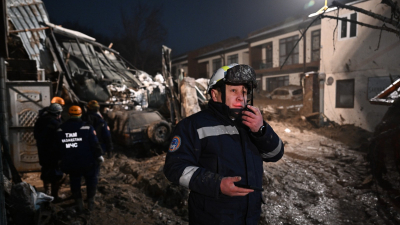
x,y
190,24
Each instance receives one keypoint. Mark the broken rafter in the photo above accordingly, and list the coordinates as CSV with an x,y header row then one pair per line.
x,y
26,30
26,4
362,24
380,99
368,13
393,87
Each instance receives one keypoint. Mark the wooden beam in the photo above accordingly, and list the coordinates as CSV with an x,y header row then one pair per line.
x,y
26,30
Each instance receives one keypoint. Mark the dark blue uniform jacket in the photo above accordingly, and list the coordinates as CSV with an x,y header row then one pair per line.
x,y
78,145
45,134
102,130
208,146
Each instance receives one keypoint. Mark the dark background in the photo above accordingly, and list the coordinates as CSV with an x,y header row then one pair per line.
x,y
190,24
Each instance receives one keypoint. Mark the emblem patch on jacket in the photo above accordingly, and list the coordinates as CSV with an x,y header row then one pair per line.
x,y
175,144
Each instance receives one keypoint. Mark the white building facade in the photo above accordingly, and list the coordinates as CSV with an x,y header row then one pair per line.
x,y
358,63
270,47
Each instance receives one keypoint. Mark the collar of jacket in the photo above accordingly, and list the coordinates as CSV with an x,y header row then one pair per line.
x,y
221,110
96,113
74,119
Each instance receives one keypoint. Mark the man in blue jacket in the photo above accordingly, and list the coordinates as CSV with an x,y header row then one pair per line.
x,y
80,155
95,119
45,134
215,151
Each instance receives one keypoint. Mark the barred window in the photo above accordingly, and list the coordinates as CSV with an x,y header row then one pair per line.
x,y
285,46
315,45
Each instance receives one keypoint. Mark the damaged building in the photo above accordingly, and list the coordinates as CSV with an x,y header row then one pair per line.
x,y
46,60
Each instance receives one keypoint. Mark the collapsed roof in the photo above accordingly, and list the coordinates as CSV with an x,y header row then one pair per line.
x,y
74,60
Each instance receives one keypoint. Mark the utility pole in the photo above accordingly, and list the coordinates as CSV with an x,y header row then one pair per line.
x,y
3,116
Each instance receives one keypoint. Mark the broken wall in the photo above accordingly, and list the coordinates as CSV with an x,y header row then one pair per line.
x,y
367,55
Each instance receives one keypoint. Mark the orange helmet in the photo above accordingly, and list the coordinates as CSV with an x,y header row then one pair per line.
x,y
58,100
75,111
93,105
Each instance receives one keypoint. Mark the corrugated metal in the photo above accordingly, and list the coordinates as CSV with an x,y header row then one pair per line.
x,y
27,15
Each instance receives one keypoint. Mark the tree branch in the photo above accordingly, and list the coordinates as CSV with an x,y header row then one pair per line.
x,y
368,13
363,24
392,4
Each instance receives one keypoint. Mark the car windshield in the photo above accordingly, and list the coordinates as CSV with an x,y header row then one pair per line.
x,y
297,92
142,119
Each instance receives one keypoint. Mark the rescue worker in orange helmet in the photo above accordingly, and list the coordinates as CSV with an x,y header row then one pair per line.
x,y
81,155
95,119
45,134
58,100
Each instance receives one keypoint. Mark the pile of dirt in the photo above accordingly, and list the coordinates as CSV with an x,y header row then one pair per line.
x,y
130,191
289,112
354,137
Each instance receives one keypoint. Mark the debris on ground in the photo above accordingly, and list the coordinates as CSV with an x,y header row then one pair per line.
x,y
323,178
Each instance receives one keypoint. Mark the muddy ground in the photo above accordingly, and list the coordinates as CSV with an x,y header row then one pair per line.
x,y
323,178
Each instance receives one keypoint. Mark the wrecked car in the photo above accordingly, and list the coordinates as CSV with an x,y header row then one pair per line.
x,y
132,127
290,92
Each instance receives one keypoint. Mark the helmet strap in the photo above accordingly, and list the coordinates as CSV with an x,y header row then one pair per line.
x,y
251,93
223,93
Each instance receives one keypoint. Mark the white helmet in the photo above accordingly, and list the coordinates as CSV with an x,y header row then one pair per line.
x,y
219,75
234,74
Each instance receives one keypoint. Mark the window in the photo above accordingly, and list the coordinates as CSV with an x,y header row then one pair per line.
x,y
345,93
285,46
233,59
268,55
348,29
315,45
216,64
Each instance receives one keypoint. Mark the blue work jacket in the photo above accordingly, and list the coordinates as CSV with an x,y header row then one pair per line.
x,y
208,146
102,130
45,134
78,145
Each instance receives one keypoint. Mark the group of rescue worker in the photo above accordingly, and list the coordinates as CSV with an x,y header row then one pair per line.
x,y
75,147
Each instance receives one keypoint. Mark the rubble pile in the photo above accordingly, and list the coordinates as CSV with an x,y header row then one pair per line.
x,y
322,181
152,93
189,102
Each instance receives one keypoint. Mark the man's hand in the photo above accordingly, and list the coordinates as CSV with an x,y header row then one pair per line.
x,y
228,187
252,120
